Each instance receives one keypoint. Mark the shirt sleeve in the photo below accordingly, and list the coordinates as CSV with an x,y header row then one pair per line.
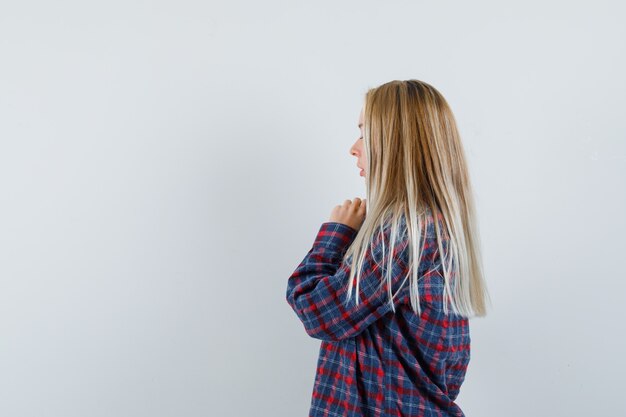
x,y
317,289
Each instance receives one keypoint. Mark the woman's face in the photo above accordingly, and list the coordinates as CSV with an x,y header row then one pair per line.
x,y
358,150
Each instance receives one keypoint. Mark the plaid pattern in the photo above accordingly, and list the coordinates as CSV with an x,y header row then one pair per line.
x,y
372,361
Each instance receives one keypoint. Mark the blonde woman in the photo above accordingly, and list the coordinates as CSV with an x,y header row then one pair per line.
x,y
392,280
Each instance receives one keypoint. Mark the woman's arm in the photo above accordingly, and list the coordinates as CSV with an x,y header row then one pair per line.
x,y
317,288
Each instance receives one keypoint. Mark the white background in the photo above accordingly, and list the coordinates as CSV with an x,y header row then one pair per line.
x,y
164,167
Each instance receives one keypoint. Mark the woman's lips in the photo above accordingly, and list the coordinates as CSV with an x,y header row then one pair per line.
x,y
362,173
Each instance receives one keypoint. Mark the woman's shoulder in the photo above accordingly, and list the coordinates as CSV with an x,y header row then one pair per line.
x,y
423,241
404,240
425,219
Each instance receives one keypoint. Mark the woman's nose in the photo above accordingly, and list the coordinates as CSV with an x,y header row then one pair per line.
x,y
353,150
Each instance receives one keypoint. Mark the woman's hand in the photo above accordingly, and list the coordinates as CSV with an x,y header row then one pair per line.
x,y
350,213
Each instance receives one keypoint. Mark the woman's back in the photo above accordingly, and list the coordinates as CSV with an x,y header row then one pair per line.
x,y
374,361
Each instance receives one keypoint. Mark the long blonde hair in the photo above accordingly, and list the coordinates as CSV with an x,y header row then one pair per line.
x,y
417,180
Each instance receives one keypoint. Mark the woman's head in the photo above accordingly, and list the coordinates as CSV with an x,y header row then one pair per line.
x,y
415,169
408,142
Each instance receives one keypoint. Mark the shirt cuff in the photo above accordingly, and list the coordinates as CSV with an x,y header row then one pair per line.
x,y
334,234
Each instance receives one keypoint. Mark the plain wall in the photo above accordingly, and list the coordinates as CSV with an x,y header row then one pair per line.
x,y
165,166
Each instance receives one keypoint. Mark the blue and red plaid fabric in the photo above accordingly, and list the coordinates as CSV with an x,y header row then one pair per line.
x,y
372,361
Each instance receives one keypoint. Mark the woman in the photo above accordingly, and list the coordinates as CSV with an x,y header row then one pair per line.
x,y
400,345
